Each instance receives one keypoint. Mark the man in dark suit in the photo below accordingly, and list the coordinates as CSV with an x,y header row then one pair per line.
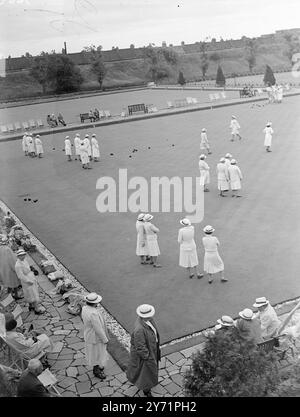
x,y
29,384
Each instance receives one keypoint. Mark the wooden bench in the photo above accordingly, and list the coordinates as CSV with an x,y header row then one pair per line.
x,y
247,93
181,103
86,116
134,108
274,345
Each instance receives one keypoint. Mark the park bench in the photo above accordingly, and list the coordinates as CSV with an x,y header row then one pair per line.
x,y
18,126
86,116
273,344
181,103
134,108
247,93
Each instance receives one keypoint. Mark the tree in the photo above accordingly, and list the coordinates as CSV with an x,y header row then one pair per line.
x,y
39,71
181,79
292,44
269,78
250,53
220,79
158,67
231,367
63,75
204,63
96,60
215,57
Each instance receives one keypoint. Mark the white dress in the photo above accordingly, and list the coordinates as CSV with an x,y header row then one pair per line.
x,y
88,146
141,239
188,252
77,143
95,148
223,178
204,172
39,146
28,281
68,147
24,143
84,154
151,237
212,260
268,131
204,141
235,177
30,144
95,336
234,125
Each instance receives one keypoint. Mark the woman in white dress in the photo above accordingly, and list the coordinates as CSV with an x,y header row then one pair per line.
x,y
151,239
29,283
39,146
77,143
31,148
223,178
204,172
188,257
204,144
235,128
95,148
268,131
68,148
141,247
95,335
84,156
212,260
24,144
235,178
88,146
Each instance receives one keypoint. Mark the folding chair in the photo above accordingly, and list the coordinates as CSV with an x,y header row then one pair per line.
x,y
49,381
216,96
32,124
10,128
123,114
18,126
223,94
7,301
154,109
25,125
169,104
101,114
107,113
259,91
39,123
189,100
195,100
4,129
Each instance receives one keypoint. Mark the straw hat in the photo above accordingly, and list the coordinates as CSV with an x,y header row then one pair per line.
x,y
86,136
93,298
185,222
261,301
202,156
145,311
21,252
226,321
204,130
141,216
246,314
148,217
208,229
228,155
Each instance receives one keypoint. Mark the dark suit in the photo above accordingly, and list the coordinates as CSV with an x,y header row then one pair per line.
x,y
30,386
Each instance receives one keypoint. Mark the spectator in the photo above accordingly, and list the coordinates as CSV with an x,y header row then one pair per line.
x,y
49,120
8,276
96,114
95,335
142,370
61,119
29,283
9,222
269,322
54,120
29,384
91,116
249,326
31,345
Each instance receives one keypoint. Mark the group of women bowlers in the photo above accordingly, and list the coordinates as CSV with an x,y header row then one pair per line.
x,y
147,247
86,150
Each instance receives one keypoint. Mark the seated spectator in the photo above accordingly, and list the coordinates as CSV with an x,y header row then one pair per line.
x,y
61,119
9,222
49,120
54,120
18,238
96,114
249,326
29,385
91,116
225,322
269,322
8,276
30,346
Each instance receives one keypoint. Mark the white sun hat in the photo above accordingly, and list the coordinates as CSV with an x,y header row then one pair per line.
x,y
148,217
77,134
233,117
185,222
208,229
141,216
93,134
233,162
67,137
204,130
261,301
247,314
86,136
202,156
145,311
93,298
226,321
228,155
222,159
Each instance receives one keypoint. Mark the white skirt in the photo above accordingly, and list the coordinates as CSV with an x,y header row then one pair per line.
x,y
223,185
68,151
268,141
96,354
204,176
77,151
39,149
188,258
235,185
152,244
95,153
141,250
84,158
213,263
